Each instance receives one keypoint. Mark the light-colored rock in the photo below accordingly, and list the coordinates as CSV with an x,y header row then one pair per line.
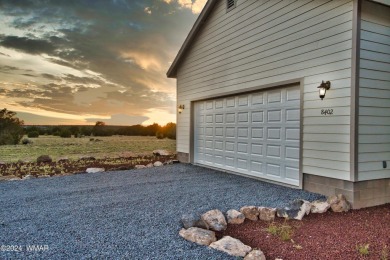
x,y
266,214
161,152
149,165
231,246
139,167
255,254
198,235
9,178
250,212
215,220
94,170
319,206
28,177
296,210
157,164
235,217
339,203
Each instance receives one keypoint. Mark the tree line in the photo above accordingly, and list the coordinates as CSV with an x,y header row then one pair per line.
x,y
12,129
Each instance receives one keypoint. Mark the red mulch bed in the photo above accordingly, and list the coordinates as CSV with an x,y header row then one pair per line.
x,y
322,236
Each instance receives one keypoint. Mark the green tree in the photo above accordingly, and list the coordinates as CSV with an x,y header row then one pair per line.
x,y
99,129
11,128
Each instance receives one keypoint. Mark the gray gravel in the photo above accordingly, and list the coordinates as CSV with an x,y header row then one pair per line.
x,y
128,214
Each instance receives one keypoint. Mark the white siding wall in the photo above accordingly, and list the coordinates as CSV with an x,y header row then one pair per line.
x,y
265,42
374,92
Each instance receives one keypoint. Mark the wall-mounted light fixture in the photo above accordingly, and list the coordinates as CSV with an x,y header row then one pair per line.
x,y
180,108
323,88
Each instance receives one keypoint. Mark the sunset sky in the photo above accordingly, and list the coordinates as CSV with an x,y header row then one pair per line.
x,y
82,61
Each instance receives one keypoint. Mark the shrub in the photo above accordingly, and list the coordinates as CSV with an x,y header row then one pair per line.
x,y
65,133
11,130
26,141
363,249
160,135
33,134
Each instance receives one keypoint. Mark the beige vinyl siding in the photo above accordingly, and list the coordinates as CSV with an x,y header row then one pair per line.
x,y
265,42
374,92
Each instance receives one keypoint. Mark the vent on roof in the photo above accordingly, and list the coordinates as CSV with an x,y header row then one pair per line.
x,y
230,4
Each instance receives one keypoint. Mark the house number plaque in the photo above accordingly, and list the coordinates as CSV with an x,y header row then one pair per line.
x,y
326,112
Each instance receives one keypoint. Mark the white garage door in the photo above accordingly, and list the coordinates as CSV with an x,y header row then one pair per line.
x,y
255,134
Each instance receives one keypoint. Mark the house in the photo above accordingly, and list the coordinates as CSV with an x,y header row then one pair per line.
x,y
248,78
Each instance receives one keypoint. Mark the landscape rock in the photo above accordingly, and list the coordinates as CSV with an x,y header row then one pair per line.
x,y
231,246
255,254
28,177
2,163
188,220
63,159
161,152
139,166
339,203
95,170
157,164
319,206
235,217
172,162
266,214
198,235
296,210
215,220
149,165
44,159
250,212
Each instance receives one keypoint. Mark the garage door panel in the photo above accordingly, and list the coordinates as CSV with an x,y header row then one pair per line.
x,y
256,134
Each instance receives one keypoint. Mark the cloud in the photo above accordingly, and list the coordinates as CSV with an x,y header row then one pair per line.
x,y
120,119
195,6
32,46
104,59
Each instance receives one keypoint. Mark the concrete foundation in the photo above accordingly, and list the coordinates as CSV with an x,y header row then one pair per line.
x,y
361,194
183,157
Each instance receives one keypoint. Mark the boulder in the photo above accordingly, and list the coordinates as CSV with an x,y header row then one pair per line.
x,y
255,254
2,163
235,217
44,159
172,162
161,152
9,178
95,170
250,212
198,235
231,246
215,220
296,210
149,165
319,206
266,214
157,164
28,177
139,167
188,220
339,203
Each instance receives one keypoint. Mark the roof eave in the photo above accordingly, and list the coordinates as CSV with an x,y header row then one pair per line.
x,y
172,71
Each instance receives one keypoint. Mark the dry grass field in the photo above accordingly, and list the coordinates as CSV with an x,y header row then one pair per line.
x,y
74,148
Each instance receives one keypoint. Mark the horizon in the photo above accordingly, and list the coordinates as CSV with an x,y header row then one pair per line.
x,y
72,63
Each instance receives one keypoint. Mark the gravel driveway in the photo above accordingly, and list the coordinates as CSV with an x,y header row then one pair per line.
x,y
123,215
